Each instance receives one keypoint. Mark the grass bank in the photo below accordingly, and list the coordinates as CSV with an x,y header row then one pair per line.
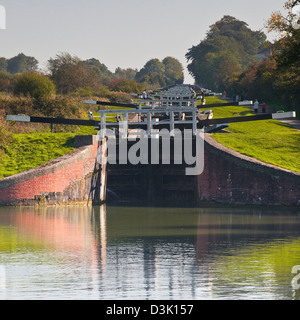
x,y
270,141
27,151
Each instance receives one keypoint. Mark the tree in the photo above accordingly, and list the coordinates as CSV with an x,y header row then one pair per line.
x,y
287,54
34,84
173,71
104,75
152,73
161,73
69,73
21,63
128,73
230,47
3,64
287,48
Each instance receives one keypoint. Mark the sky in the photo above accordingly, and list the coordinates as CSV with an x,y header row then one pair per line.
x,y
120,33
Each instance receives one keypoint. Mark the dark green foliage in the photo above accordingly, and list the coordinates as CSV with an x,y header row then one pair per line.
x,y
276,80
124,85
21,63
35,85
230,48
155,72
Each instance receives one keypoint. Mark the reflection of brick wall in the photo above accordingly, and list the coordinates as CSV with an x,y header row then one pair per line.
x,y
71,178
233,178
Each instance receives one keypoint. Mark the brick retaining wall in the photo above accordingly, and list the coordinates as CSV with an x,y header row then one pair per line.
x,y
71,178
231,177
228,177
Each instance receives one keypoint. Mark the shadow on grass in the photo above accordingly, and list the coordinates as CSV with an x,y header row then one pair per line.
x,y
69,143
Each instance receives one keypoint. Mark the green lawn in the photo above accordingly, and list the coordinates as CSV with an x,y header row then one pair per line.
x,y
31,150
270,141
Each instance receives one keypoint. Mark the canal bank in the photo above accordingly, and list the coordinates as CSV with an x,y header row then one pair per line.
x,y
77,178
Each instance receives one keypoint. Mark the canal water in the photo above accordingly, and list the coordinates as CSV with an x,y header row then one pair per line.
x,y
146,253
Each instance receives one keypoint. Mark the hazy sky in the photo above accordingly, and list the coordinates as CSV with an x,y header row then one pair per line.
x,y
120,33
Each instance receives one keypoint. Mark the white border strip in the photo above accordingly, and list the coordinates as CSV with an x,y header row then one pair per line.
x,y
18,118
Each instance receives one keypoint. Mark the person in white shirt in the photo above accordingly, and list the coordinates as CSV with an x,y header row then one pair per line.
x,y
256,105
145,94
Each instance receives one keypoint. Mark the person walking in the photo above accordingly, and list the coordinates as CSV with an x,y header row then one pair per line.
x,y
256,105
263,107
145,96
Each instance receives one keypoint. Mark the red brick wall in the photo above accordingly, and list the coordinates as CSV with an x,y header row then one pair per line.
x,y
228,177
53,177
233,178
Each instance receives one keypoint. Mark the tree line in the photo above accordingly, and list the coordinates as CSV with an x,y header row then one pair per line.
x,y
241,61
70,75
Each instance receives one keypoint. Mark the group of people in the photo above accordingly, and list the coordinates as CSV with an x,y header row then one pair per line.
x,y
256,107
256,104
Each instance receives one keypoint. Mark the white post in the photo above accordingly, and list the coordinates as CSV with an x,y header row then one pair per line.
x,y
103,126
172,123
149,124
125,125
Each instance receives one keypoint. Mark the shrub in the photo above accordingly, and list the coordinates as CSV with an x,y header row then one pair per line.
x,y
34,84
119,97
5,138
128,86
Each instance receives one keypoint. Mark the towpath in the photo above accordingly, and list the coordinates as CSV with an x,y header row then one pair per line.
x,y
295,123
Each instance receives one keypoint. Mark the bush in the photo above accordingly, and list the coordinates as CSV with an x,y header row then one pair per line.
x,y
35,85
119,97
128,86
11,104
5,136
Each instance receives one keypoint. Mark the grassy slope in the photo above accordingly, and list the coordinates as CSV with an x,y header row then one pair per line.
x,y
31,150
28,151
269,141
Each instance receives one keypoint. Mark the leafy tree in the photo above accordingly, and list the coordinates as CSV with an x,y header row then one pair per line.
x,y
22,63
104,75
126,73
152,73
161,73
287,54
3,64
35,85
173,71
229,48
70,73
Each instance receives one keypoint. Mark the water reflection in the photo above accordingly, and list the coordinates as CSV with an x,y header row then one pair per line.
x,y
148,253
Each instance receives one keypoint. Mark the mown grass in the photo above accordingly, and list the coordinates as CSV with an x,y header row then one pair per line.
x,y
30,150
27,151
270,141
